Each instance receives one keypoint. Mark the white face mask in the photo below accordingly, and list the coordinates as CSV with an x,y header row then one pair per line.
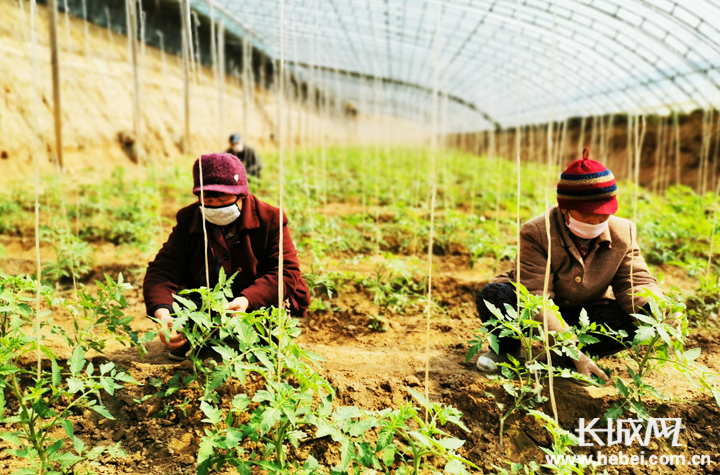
x,y
221,215
585,230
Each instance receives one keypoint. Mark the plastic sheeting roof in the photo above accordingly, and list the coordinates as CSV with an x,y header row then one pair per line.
x,y
500,62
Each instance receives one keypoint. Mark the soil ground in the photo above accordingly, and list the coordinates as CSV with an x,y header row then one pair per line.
x,y
373,370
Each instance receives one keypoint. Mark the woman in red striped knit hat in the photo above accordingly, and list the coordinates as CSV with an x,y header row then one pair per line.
x,y
595,264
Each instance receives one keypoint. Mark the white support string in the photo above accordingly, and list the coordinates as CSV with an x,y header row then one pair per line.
x,y
281,172
546,283
433,192
36,164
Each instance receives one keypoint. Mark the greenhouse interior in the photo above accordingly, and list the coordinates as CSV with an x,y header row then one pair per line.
x,y
359,237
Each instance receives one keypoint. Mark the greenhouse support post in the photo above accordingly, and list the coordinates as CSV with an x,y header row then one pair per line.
x,y
55,62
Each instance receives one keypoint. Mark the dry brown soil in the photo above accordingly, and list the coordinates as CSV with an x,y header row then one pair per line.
x,y
373,370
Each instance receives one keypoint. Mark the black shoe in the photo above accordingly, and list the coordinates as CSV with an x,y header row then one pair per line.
x,y
182,353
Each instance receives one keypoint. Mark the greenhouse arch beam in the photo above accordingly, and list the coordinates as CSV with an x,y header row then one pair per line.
x,y
396,82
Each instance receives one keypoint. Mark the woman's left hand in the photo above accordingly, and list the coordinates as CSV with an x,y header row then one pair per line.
x,y
239,304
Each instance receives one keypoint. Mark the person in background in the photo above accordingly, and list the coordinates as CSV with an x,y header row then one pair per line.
x,y
247,155
243,237
592,253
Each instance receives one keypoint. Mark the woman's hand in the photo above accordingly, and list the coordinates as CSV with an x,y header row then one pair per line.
x,y
239,304
587,367
176,339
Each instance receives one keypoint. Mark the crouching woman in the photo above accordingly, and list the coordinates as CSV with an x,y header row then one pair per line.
x,y
595,264
243,236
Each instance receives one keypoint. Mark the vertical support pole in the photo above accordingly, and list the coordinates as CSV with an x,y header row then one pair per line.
x,y
187,58
109,30
677,148
68,41
629,163
132,41
214,63
221,74
86,29
246,84
55,61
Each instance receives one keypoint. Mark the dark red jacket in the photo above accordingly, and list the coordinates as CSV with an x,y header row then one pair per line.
x,y
253,251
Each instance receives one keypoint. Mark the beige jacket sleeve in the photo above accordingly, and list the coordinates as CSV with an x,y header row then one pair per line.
x,y
533,260
632,276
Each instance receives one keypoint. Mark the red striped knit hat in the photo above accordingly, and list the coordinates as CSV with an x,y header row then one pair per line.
x,y
587,186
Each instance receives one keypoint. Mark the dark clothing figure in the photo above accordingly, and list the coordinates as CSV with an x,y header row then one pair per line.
x,y
249,246
606,312
249,159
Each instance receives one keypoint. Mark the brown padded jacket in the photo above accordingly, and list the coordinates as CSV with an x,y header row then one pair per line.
x,y
614,263
254,253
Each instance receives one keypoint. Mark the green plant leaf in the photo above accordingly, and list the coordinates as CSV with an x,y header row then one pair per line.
x,y
388,456
69,429
95,453
56,379
269,418
643,335
67,459
54,447
11,437
614,412
233,437
455,467
75,385
346,453
644,318
77,361
24,471
692,355
420,438
214,414
385,437
100,409
311,463
108,384
451,443
41,409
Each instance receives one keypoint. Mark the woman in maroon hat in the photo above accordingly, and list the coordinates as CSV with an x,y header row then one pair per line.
x,y
592,253
243,237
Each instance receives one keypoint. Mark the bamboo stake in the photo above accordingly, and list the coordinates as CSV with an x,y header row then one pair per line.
x,y
68,41
659,159
593,132
563,144
187,59
86,29
221,74
109,29
677,148
716,149
132,42
705,152
629,163
712,234
57,85
246,84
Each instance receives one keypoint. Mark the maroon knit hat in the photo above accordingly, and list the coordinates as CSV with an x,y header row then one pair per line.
x,y
222,172
587,186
